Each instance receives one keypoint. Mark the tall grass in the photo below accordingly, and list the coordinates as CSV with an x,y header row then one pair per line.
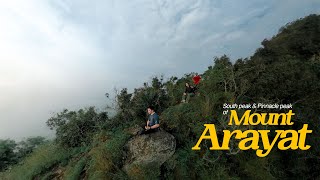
x,y
106,158
75,168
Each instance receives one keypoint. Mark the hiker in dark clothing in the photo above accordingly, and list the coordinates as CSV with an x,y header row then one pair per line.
x,y
189,91
152,122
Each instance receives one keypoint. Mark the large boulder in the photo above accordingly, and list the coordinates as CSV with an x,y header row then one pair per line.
x,y
149,150
133,130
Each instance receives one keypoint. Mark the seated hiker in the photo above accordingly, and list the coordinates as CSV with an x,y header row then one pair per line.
x,y
152,122
189,91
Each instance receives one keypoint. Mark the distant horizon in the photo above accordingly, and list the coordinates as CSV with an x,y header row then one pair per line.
x,y
64,54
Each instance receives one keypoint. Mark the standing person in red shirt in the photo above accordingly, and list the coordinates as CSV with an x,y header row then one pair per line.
x,y
196,79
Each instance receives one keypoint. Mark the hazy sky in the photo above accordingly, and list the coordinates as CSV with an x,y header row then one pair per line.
x,y
57,54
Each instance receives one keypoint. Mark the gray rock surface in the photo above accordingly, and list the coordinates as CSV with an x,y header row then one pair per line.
x,y
154,148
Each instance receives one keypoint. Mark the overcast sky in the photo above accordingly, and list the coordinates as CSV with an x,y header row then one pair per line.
x,y
57,54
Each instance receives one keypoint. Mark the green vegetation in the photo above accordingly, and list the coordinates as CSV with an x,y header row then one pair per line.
x,y
90,144
12,152
41,160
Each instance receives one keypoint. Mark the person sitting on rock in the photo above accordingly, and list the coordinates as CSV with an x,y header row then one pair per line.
x,y
189,91
152,122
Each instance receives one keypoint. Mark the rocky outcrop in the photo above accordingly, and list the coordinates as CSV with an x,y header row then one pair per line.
x,y
149,149
133,130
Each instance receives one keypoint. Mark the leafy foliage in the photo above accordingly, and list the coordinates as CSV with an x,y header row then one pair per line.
x,y
74,129
7,155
